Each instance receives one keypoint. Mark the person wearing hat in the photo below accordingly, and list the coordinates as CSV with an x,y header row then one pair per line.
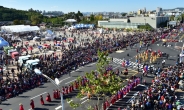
x,y
48,98
32,104
21,106
41,100
54,94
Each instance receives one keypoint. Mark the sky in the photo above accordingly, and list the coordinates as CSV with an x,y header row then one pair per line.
x,y
91,5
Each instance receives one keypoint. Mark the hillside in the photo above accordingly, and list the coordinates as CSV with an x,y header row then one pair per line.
x,y
10,14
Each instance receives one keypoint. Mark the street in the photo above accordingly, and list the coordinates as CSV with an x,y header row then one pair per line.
x,y
34,94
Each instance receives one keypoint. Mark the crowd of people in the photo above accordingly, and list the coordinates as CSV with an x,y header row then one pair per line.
x,y
161,94
69,59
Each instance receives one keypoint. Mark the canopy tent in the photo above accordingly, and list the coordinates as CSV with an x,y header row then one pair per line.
x,y
19,28
3,42
70,21
174,23
49,32
80,26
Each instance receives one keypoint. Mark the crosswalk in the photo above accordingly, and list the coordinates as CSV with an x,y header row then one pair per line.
x,y
133,65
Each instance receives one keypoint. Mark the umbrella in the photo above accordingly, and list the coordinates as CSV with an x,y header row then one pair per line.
x,y
39,47
30,48
14,45
24,49
26,43
58,45
37,71
46,45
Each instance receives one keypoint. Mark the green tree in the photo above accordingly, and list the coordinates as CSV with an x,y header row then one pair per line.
x,y
182,17
16,22
171,18
22,22
92,17
35,19
124,14
102,86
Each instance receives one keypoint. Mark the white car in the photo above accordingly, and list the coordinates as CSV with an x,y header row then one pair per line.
x,y
36,38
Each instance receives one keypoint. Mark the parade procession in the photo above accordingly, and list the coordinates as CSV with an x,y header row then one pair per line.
x,y
90,62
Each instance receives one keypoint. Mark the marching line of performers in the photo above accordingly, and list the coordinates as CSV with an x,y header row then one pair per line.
x,y
120,94
152,57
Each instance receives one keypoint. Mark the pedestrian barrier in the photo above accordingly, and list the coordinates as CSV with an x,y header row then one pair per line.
x,y
133,83
131,64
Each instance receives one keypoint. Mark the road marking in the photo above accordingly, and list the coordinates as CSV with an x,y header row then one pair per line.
x,y
38,95
58,107
83,98
64,79
70,101
115,67
91,64
141,85
84,101
132,98
120,51
70,81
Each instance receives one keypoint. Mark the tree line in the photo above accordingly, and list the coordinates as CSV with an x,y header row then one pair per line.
x,y
35,17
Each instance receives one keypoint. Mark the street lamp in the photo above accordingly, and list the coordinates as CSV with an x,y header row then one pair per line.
x,y
145,21
56,83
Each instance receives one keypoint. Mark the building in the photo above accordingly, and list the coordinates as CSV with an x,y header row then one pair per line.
x,y
118,23
159,9
153,21
139,12
134,22
144,9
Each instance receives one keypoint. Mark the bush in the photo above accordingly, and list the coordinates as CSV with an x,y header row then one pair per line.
x,y
145,27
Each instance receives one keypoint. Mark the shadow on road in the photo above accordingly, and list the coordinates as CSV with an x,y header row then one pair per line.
x,y
23,96
42,87
50,104
55,101
41,109
5,104
70,95
88,66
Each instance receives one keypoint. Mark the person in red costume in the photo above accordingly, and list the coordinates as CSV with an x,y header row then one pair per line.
x,y
70,89
107,104
48,98
63,88
59,96
119,108
21,107
32,104
66,90
96,108
104,106
54,94
41,100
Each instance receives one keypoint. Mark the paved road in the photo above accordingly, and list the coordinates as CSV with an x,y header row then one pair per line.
x,y
13,103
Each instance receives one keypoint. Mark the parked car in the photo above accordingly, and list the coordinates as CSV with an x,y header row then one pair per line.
x,y
36,38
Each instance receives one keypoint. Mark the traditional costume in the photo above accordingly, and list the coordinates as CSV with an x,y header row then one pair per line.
x,y
48,98
41,100
54,94
21,107
32,104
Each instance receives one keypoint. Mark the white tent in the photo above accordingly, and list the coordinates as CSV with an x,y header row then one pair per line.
x,y
19,28
70,21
